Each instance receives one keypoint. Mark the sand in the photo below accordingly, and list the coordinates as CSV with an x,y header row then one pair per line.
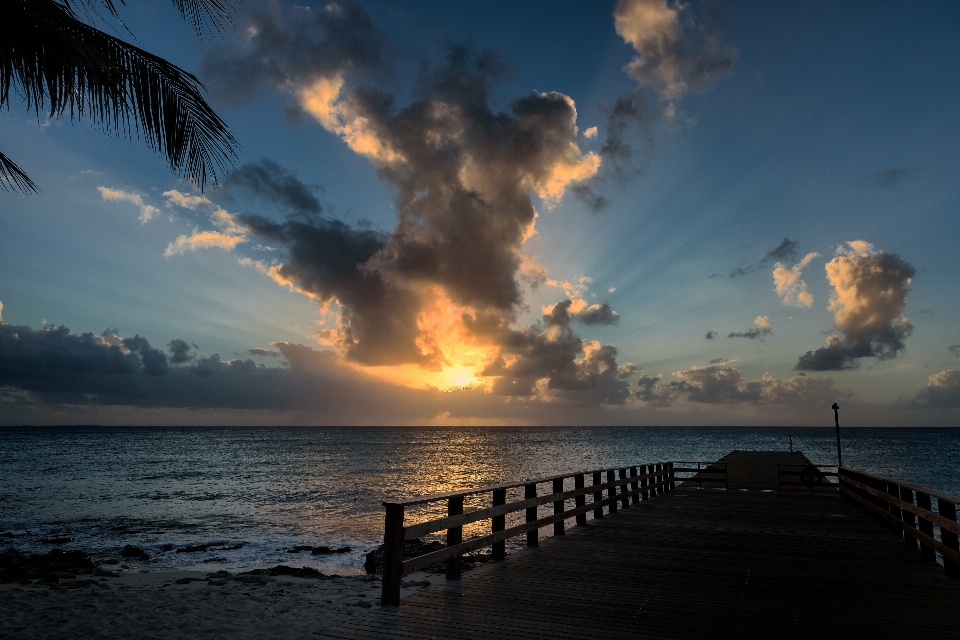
x,y
188,604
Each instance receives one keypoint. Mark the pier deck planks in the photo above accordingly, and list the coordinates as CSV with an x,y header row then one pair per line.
x,y
695,565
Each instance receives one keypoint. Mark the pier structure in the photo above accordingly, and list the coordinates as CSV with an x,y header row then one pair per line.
x,y
754,545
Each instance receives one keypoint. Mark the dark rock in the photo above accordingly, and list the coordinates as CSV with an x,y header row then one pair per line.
x,y
193,548
299,548
110,561
132,551
220,575
324,550
411,549
186,580
253,579
217,583
166,547
56,540
16,566
284,570
103,573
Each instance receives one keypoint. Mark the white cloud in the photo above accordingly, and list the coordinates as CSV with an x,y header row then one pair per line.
x,y
590,133
790,287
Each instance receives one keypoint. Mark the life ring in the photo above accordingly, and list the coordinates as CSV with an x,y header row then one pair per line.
x,y
811,476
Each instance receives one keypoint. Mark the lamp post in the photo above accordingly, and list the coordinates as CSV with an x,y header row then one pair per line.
x,y
836,418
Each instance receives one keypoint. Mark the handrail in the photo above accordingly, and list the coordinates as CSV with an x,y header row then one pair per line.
x,y
800,468
712,468
635,483
908,509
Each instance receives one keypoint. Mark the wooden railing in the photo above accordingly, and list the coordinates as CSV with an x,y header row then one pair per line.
x,y
811,476
712,474
908,509
625,485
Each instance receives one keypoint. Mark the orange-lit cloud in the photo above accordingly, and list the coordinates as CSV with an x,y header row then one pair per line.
x,y
146,211
202,240
790,287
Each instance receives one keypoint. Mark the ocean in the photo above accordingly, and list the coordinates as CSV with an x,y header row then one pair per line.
x,y
253,494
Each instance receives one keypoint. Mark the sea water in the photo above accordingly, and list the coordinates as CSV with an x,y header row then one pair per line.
x,y
270,489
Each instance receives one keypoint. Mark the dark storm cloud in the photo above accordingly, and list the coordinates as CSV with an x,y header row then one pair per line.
x,y
180,351
786,251
586,194
325,258
710,335
269,181
870,293
595,378
263,353
52,366
719,360
727,385
886,178
955,349
278,50
595,314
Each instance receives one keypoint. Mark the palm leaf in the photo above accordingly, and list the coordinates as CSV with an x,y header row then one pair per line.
x,y
12,177
61,65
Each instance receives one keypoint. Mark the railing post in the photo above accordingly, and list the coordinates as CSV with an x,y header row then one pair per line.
x,y
579,482
634,486
392,556
499,523
670,472
893,489
612,491
644,482
558,507
949,511
454,536
597,496
906,494
530,491
926,527
699,477
624,490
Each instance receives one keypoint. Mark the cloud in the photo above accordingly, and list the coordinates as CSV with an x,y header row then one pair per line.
x,y
726,385
954,348
263,353
710,335
942,391
886,178
675,54
442,291
567,311
786,250
180,351
590,133
269,181
1,313
719,361
790,287
868,301
763,329
231,231
146,211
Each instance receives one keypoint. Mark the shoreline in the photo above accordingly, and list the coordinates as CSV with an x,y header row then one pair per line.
x,y
167,603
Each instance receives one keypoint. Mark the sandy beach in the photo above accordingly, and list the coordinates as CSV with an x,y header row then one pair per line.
x,y
187,604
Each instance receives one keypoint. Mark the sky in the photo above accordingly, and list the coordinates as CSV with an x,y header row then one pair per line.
x,y
634,212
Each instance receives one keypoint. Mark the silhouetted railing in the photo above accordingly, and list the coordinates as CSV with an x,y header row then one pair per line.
x,y
626,486
908,509
711,474
806,476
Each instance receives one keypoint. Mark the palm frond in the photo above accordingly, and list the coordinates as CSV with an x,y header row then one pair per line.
x,y
12,177
203,15
61,65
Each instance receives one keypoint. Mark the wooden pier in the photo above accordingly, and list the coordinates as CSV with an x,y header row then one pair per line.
x,y
755,545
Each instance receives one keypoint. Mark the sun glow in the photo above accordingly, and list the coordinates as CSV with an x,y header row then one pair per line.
x,y
457,355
